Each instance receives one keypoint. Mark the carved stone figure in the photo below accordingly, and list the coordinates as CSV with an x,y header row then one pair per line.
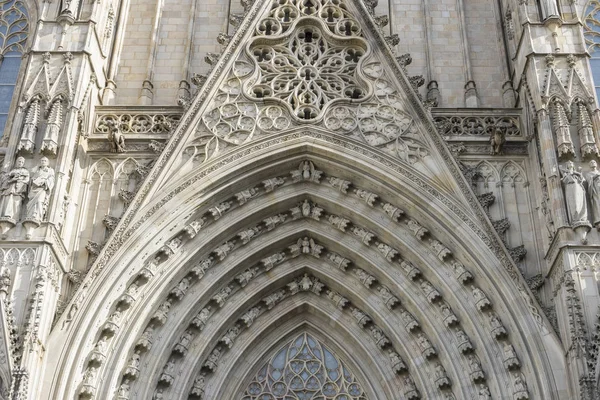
x,y
13,192
593,182
199,386
146,339
115,137
306,172
484,393
202,317
497,140
123,392
510,357
572,182
441,377
520,387
168,371
250,316
42,183
184,342
213,359
133,366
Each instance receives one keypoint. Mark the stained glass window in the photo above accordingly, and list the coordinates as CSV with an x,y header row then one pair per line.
x,y
13,36
591,26
304,369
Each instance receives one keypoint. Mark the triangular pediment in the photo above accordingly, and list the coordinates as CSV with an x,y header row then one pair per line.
x,y
297,65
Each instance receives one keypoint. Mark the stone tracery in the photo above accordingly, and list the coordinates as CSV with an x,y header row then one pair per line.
x,y
306,368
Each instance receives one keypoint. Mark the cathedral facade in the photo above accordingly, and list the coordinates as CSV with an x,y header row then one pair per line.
x,y
299,199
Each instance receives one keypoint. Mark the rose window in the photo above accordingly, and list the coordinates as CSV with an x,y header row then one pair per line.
x,y
304,369
308,70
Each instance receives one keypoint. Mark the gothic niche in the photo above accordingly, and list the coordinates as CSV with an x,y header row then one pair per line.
x,y
304,369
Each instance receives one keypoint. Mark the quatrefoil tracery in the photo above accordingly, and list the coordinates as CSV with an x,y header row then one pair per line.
x,y
308,69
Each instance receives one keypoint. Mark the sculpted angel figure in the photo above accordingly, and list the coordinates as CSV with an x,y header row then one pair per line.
x,y
42,183
13,192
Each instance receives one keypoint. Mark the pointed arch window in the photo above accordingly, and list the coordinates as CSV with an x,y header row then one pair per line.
x,y
591,27
14,26
304,369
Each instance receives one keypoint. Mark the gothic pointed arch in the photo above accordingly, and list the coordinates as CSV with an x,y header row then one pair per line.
x,y
305,191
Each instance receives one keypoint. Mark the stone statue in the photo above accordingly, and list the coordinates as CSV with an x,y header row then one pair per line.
x,y
572,182
549,9
42,183
593,184
497,140
13,192
115,138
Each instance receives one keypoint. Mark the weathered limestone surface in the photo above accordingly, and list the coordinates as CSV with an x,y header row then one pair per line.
x,y
405,192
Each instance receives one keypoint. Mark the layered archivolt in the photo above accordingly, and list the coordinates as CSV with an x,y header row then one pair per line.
x,y
222,283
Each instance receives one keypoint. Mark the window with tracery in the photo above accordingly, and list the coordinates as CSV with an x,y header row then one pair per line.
x,y
14,27
591,27
304,369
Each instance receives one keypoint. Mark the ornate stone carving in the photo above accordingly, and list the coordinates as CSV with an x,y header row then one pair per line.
x,y
168,372
194,227
111,326
339,261
146,339
425,346
410,389
149,123
99,354
481,300
429,291
199,321
30,126
364,235
388,252
251,315
132,370
274,221
13,192
306,172
573,184
498,330
364,277
368,197
274,298
394,212
306,245
511,361
245,195
378,336
416,228
450,319
441,251
247,235
246,276
221,297
338,222
181,289
199,386
339,184
213,360
520,391
593,184
304,284
42,183
183,345
398,365
469,125
388,298
361,318
204,265
463,342
223,250
339,301
410,270
272,184
271,261
461,272
441,377
475,371
220,209
162,313
307,209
